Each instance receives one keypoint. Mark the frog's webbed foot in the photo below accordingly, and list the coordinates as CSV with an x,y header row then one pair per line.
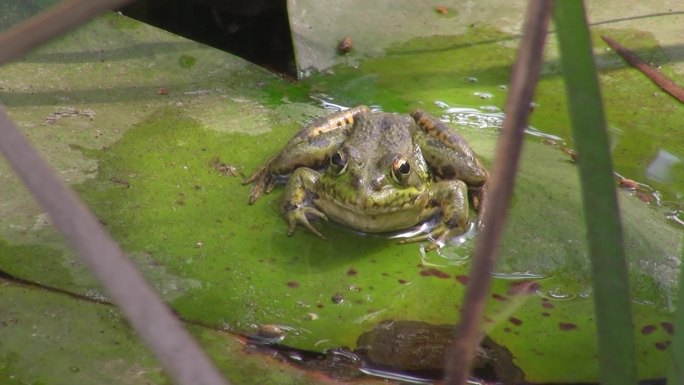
x,y
451,196
437,236
297,202
264,181
300,215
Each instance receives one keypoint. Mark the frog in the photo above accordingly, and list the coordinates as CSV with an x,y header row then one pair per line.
x,y
377,172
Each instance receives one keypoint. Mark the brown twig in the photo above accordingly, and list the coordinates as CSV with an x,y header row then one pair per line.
x,y
49,24
656,76
523,81
178,353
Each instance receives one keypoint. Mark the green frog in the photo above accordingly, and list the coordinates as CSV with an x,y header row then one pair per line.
x,y
376,172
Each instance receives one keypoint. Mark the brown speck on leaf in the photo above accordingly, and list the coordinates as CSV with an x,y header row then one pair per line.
x,y
499,297
668,327
566,326
442,10
223,168
121,182
645,197
346,45
571,152
434,273
515,321
463,279
629,184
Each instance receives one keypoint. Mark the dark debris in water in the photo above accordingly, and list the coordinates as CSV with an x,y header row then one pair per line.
x,y
399,350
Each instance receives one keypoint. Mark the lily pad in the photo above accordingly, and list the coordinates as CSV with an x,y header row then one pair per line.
x,y
153,145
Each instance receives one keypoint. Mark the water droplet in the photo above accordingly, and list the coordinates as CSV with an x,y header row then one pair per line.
x,y
483,95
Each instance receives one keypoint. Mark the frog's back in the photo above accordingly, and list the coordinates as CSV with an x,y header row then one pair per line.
x,y
381,130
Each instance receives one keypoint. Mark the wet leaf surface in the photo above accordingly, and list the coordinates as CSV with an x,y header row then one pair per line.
x,y
158,169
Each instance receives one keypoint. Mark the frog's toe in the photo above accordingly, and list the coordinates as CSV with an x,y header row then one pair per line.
x,y
435,242
438,237
301,216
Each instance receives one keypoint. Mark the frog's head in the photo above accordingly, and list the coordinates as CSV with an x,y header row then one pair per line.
x,y
378,181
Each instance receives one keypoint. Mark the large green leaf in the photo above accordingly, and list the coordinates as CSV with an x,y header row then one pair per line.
x,y
153,117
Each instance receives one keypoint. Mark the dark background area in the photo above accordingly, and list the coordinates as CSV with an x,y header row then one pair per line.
x,y
256,30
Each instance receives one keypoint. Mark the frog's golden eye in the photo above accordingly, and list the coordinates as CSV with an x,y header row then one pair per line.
x,y
338,162
400,170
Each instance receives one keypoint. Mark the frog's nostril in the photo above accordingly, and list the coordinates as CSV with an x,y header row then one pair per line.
x,y
357,182
376,184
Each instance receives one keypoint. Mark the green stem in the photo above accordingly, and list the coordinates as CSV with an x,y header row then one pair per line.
x,y
616,352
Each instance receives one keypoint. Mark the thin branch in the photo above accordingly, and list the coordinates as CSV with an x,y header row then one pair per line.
x,y
523,81
50,24
656,76
178,353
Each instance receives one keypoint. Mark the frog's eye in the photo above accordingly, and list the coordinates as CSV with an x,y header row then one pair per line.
x,y
338,162
400,170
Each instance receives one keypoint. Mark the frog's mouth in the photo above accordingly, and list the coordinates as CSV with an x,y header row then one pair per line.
x,y
373,215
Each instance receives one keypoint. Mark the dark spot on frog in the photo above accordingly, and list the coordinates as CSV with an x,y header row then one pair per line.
x,y
507,329
352,272
385,275
545,314
661,345
320,305
447,172
499,297
668,327
434,273
420,266
402,281
463,279
293,284
515,321
319,141
337,298
547,304
648,329
565,326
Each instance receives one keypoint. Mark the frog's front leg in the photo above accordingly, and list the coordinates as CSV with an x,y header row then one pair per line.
x,y
450,157
297,202
450,198
311,147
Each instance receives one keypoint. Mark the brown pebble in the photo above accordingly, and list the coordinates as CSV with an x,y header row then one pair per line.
x,y
346,45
